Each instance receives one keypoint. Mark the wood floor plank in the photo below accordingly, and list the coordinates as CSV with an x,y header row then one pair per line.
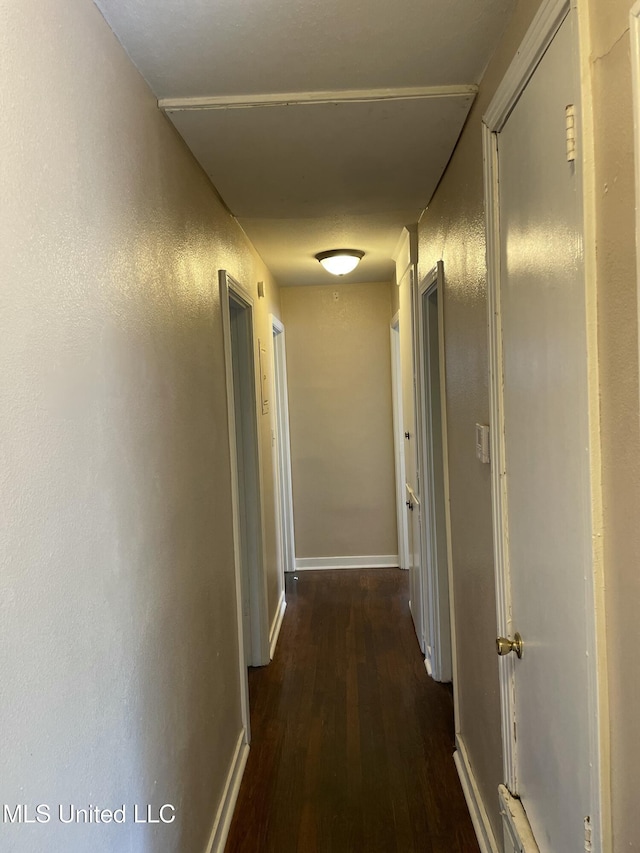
x,y
352,743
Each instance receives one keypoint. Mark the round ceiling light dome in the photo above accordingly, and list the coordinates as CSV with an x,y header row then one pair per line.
x,y
340,261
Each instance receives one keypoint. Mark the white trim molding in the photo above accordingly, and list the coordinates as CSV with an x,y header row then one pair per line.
x,y
479,817
274,633
539,36
634,16
369,561
224,813
405,254
357,96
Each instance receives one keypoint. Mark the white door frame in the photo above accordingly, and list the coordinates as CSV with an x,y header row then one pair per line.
x,y
398,442
436,578
232,290
538,38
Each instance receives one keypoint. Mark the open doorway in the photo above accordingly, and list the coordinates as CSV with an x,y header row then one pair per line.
x,y
237,320
433,470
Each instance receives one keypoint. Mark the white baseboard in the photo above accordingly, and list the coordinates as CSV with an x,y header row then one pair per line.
x,y
274,633
369,561
479,817
227,804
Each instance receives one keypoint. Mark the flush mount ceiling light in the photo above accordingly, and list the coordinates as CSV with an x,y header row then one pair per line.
x,y
340,261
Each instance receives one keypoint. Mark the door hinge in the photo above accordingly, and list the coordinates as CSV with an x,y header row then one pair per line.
x,y
588,844
570,118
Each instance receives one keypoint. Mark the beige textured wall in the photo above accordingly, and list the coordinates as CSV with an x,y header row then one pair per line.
x,y
619,404
452,229
339,374
119,663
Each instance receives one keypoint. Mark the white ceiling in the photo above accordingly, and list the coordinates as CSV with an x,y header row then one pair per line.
x,y
348,169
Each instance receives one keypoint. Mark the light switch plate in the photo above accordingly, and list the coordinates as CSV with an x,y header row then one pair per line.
x,y
482,443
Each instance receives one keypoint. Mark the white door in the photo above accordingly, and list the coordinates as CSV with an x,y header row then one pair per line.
x,y
398,445
282,452
545,487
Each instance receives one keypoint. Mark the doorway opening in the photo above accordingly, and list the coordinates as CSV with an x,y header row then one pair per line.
x,y
432,452
237,320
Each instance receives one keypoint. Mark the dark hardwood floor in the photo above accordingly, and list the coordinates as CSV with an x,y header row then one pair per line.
x,y
352,742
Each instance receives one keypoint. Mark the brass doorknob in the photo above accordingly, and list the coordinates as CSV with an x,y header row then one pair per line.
x,y
504,646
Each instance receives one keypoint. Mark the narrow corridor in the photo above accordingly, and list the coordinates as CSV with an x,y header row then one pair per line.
x,y
352,743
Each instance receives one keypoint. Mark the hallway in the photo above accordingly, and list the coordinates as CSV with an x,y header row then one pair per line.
x,y
463,404
352,744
